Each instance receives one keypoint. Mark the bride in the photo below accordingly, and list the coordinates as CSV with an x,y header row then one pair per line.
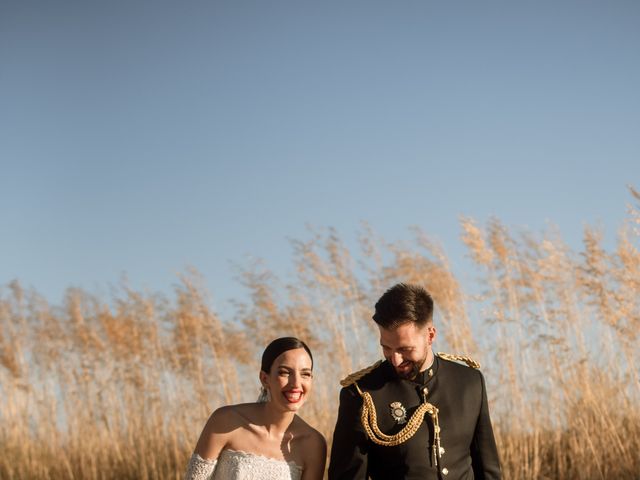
x,y
266,439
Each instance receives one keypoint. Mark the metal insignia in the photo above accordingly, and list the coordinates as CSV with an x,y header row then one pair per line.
x,y
398,412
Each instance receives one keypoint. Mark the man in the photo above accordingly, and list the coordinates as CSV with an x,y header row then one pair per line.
x,y
415,415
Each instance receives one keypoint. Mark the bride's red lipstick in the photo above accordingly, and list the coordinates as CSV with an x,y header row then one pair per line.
x,y
293,396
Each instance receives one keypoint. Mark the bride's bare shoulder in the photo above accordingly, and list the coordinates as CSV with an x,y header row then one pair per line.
x,y
309,435
314,447
232,416
223,425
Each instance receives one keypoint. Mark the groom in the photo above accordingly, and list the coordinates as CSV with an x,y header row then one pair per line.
x,y
415,415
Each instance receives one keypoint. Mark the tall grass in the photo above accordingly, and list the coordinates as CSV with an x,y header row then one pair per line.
x,y
119,387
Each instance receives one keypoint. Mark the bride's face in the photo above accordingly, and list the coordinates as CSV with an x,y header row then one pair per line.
x,y
289,380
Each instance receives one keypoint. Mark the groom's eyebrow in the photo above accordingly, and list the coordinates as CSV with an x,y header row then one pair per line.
x,y
402,347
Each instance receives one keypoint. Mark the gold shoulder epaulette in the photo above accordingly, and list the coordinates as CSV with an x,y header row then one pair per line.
x,y
459,358
355,376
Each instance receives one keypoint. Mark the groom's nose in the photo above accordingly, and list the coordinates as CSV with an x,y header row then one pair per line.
x,y
395,359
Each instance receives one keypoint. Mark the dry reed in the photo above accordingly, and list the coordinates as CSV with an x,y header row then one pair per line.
x,y
119,388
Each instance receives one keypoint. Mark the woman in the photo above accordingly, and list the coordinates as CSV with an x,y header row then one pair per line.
x,y
265,439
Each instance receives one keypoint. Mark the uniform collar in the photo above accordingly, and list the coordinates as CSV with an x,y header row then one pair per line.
x,y
423,377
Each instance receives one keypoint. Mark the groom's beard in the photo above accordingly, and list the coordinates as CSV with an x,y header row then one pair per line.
x,y
412,373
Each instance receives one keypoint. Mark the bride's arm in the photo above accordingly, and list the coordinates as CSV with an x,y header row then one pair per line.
x,y
199,469
316,457
213,439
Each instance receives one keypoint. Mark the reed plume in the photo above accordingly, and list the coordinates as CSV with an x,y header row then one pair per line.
x,y
119,387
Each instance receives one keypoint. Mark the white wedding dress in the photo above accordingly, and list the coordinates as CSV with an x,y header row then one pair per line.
x,y
235,465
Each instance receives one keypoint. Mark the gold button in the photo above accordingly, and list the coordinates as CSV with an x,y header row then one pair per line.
x,y
425,390
445,471
441,450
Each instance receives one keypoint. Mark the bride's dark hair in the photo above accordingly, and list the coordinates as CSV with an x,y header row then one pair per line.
x,y
278,346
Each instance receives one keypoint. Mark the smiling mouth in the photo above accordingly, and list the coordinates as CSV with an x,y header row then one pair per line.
x,y
406,370
293,396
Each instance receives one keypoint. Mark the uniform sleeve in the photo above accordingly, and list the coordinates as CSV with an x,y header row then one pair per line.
x,y
350,443
484,452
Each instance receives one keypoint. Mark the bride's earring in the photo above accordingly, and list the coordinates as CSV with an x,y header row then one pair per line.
x,y
265,396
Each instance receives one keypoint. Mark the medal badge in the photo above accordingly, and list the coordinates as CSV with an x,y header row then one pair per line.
x,y
398,412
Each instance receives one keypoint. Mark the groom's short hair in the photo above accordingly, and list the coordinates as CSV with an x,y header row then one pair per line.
x,y
404,303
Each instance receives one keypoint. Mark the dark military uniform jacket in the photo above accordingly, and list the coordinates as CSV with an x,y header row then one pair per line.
x,y
466,435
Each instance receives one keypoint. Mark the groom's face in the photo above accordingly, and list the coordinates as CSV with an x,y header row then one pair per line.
x,y
408,348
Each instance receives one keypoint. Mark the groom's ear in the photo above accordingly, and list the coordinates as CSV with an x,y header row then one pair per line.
x,y
431,334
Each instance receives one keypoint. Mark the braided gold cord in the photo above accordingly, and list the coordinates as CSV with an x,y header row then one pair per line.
x,y
460,358
355,376
369,420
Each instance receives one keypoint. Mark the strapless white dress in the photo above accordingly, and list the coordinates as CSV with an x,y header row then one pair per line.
x,y
234,465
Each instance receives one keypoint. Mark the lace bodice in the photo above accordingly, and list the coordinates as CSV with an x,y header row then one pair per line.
x,y
234,465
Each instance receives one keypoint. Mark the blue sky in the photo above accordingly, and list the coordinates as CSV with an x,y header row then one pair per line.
x,y
143,137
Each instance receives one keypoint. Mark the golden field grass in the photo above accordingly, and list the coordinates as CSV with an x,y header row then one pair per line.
x,y
119,387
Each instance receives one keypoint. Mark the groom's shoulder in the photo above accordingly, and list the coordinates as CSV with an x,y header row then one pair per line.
x,y
367,377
